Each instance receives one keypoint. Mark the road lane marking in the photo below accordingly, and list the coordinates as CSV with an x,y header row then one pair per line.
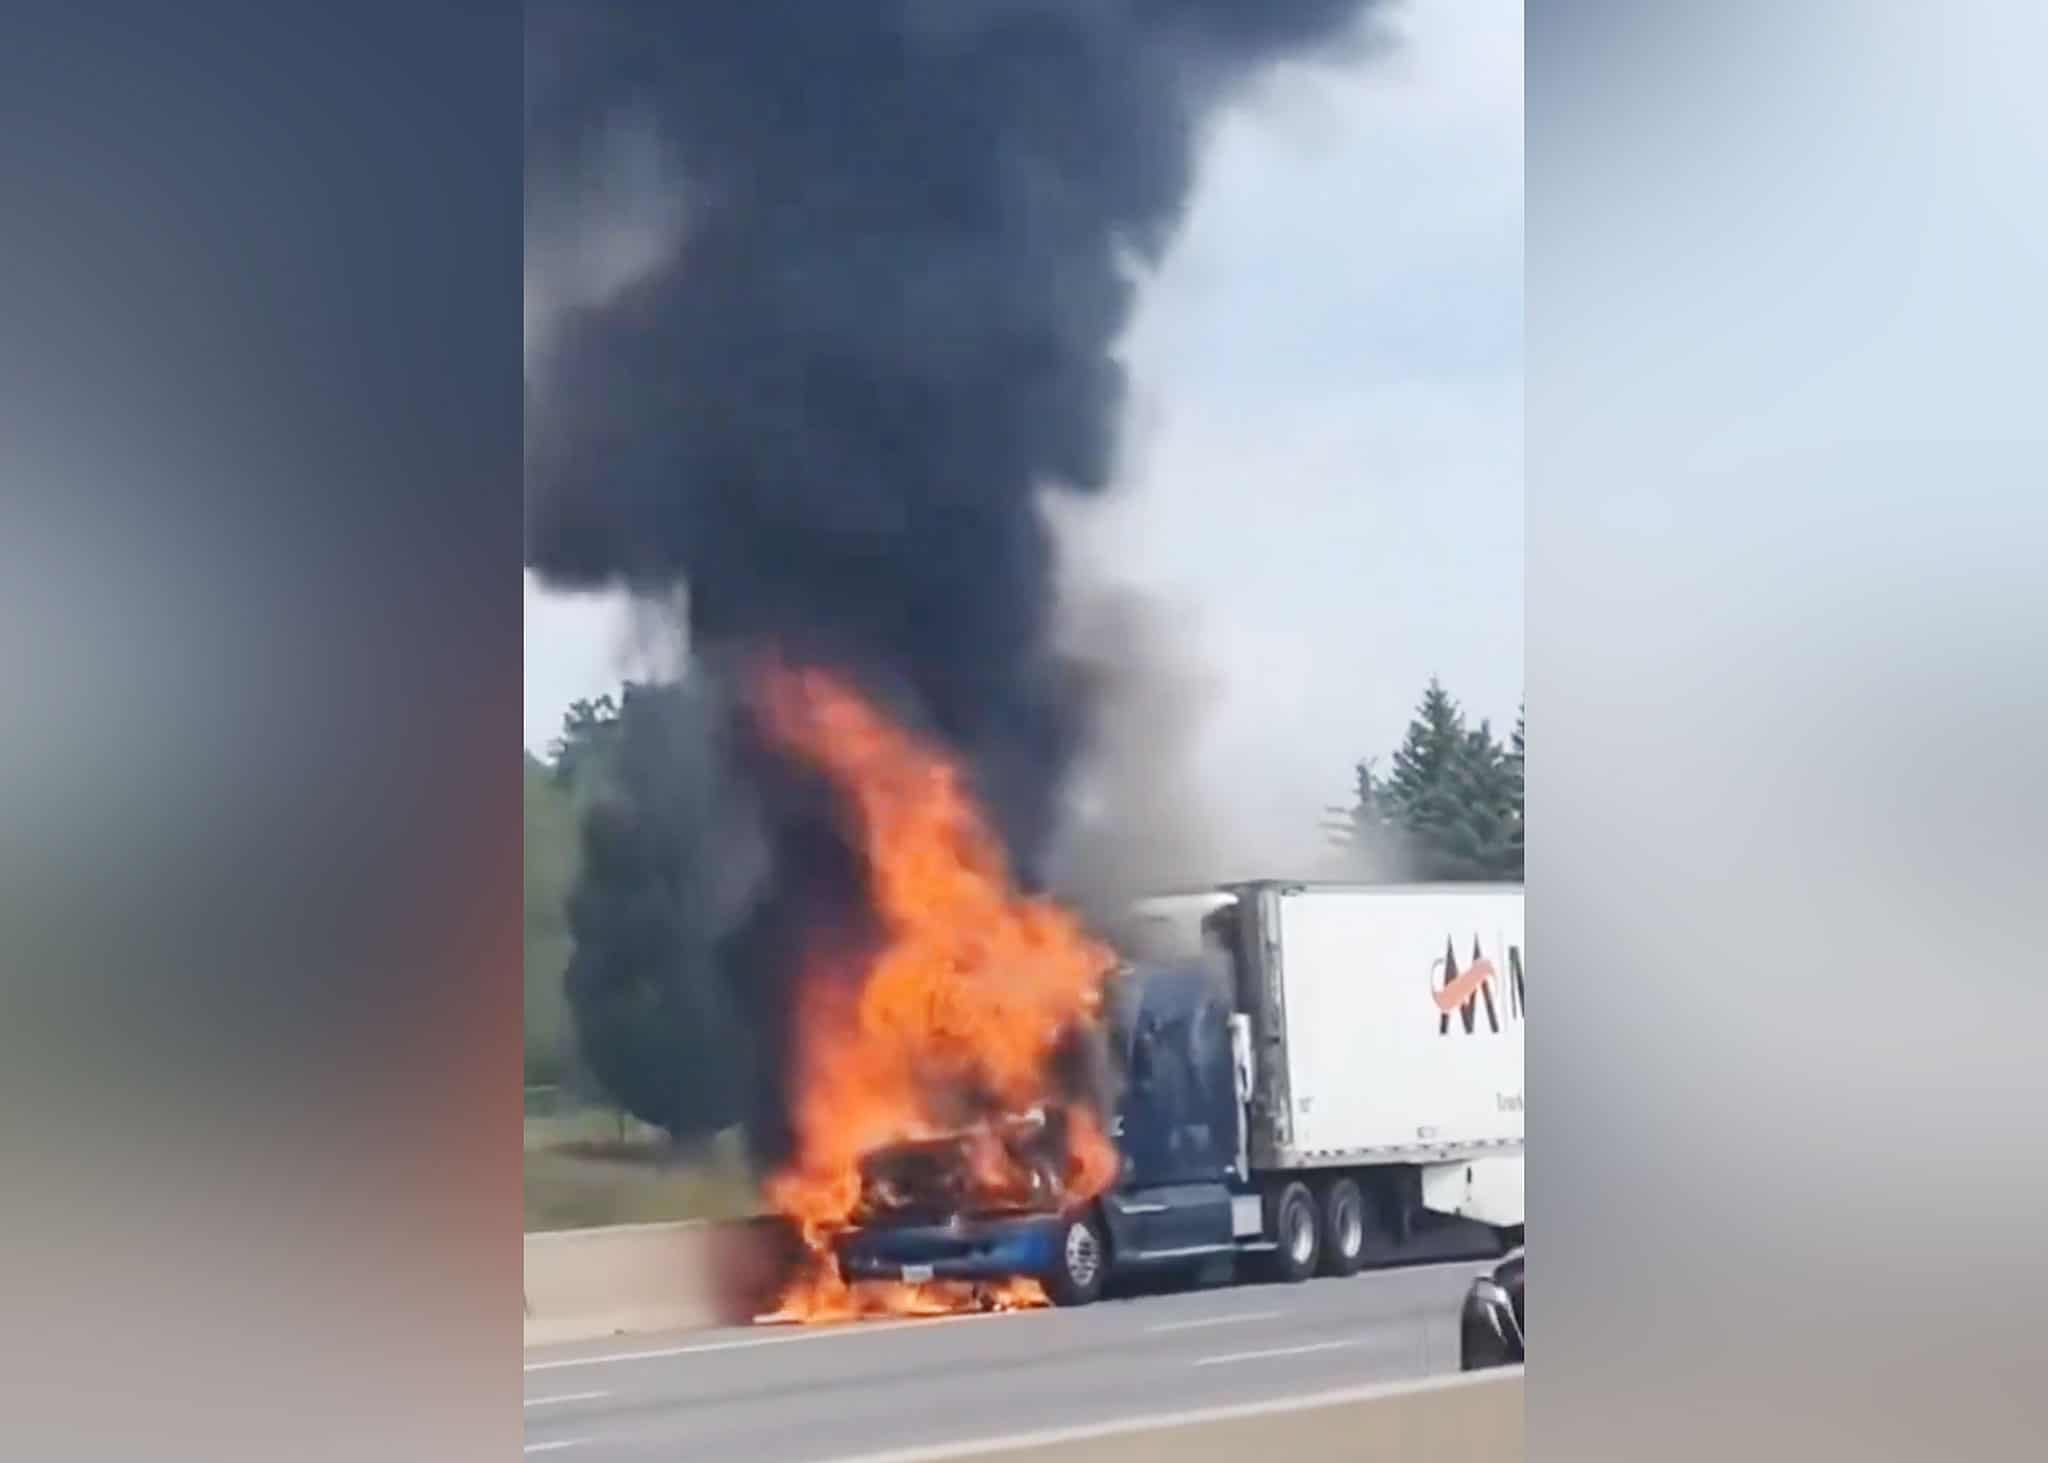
x,y
1159,1421
1204,1322
1280,1351
870,1328
558,1443
808,1333
565,1397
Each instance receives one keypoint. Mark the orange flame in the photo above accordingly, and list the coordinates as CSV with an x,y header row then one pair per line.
x,y
971,990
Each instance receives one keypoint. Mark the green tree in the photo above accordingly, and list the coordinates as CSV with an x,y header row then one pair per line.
x,y
589,731
1363,830
1369,821
550,848
1517,754
1483,843
1424,759
1422,791
663,870
1452,795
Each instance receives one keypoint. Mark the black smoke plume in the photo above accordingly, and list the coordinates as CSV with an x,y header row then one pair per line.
x,y
910,235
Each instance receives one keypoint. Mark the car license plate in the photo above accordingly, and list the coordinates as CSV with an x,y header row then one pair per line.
x,y
916,1274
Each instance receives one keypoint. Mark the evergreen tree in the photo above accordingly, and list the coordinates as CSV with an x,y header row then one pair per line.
x,y
589,730
1365,831
551,852
1369,823
1454,795
1425,791
661,870
1483,841
1424,760
1517,762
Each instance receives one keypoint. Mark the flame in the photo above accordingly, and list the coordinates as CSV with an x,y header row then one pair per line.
x,y
821,1296
954,1016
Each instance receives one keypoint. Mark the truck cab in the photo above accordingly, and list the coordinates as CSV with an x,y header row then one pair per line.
x,y
1179,1114
1175,1118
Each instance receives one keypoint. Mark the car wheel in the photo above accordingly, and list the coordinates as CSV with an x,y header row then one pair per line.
x,y
1343,1217
1479,1345
1080,1264
1296,1234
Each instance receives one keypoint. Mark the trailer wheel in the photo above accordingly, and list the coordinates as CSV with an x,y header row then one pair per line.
x,y
1343,1218
1080,1264
1298,1242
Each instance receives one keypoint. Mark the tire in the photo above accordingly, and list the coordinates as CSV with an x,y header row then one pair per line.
x,y
1479,1346
1343,1221
1296,1233
1080,1264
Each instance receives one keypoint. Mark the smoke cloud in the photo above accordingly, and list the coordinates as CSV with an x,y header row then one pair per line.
x,y
1145,811
877,323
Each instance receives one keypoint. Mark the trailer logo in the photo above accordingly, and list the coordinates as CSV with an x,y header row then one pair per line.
x,y
1462,991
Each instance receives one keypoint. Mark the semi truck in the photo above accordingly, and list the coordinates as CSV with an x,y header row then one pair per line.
x,y
1308,1078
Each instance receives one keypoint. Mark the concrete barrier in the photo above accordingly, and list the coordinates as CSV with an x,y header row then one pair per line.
x,y
586,1283
1469,1418
582,1284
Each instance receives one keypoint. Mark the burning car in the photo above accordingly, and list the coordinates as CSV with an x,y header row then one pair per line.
x,y
985,1205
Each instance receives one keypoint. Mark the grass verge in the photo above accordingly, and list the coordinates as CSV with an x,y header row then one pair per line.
x,y
587,1168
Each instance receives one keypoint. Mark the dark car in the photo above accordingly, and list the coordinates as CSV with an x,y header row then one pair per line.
x,y
1491,1329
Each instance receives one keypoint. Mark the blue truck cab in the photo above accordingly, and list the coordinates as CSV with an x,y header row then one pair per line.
x,y
1182,1186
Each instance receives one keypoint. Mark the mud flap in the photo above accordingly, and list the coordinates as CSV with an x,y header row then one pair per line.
x,y
1486,1189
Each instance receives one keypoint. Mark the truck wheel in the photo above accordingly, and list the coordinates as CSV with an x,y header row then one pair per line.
x,y
1080,1264
1343,1225
1298,1245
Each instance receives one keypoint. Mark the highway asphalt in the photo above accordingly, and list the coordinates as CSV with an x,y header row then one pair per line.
x,y
780,1394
